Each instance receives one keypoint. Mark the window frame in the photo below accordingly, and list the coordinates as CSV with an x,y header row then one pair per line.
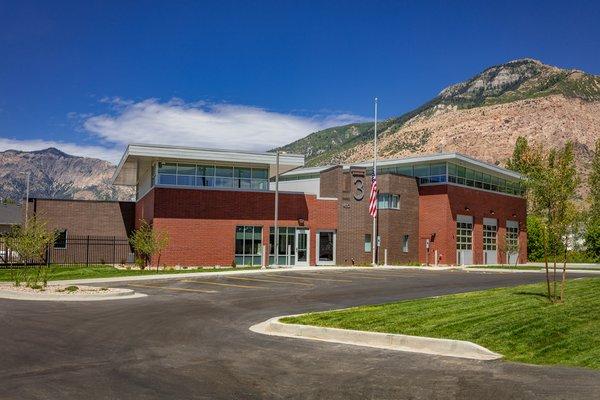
x,y
60,232
254,242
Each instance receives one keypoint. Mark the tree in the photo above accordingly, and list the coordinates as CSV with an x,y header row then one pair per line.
x,y
592,235
552,181
535,243
30,241
148,242
520,161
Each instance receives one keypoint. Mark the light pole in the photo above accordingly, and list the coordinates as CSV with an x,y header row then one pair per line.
x,y
276,224
27,197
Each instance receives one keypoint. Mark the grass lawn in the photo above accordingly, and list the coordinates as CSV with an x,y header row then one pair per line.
x,y
107,271
518,322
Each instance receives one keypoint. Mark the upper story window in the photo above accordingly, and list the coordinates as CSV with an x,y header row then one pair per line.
x,y
469,177
388,201
442,172
217,176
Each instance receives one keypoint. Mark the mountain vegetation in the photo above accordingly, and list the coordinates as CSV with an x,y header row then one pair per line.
x,y
482,117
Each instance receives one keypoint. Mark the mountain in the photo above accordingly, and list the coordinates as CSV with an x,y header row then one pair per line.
x,y
481,117
55,174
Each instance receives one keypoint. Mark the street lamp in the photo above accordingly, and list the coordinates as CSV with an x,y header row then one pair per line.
x,y
276,224
28,173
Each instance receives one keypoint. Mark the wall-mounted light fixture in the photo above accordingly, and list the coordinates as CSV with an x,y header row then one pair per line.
x,y
492,212
467,208
514,215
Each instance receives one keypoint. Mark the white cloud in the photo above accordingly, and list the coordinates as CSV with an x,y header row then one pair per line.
x,y
111,154
205,125
176,122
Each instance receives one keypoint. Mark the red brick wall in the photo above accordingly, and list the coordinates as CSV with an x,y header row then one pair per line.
x,y
201,223
439,205
144,209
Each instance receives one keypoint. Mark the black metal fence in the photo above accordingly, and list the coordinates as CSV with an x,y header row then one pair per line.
x,y
77,250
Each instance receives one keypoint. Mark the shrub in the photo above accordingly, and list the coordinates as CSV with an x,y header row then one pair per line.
x,y
148,242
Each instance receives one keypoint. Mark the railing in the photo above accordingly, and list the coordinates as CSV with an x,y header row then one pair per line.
x,y
78,250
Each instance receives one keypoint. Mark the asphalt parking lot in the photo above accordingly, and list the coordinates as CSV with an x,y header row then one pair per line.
x,y
189,339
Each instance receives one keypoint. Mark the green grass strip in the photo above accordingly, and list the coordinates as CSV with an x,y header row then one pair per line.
x,y
518,322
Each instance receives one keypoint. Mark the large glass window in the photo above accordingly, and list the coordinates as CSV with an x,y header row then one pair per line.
x,y
388,201
464,235
405,170
286,252
248,245
421,170
183,174
437,173
469,177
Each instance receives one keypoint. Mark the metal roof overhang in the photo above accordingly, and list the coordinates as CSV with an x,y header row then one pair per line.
x,y
439,157
126,173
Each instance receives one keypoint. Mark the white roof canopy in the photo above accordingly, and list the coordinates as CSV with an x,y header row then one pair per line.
x,y
458,158
127,170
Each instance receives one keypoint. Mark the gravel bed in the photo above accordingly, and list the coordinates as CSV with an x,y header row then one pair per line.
x,y
66,290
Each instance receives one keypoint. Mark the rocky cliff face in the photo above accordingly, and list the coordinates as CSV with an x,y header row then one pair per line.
x,y
55,174
482,117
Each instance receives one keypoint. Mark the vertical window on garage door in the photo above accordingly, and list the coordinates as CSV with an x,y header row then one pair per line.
x,y
248,245
489,236
464,235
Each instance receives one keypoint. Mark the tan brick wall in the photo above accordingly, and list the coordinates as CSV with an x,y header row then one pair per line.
x,y
86,217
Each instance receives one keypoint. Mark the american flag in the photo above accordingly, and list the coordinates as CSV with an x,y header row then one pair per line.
x,y
373,198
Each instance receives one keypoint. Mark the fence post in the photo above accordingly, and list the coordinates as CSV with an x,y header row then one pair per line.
x,y
87,251
114,250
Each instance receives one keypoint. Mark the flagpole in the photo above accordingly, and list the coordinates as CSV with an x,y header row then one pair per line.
x,y
374,237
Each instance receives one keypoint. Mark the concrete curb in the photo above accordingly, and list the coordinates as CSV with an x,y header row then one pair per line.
x,y
241,272
532,271
413,344
122,294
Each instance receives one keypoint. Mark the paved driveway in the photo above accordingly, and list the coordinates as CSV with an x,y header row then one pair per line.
x,y
190,340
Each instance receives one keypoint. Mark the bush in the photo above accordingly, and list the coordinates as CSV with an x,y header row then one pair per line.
x,y
148,242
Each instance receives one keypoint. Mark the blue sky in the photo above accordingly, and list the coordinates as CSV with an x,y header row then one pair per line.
x,y
90,77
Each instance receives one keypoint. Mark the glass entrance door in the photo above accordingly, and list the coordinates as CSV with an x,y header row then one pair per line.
x,y
326,248
302,247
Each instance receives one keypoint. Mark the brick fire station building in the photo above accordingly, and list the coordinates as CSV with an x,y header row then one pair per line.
x,y
218,207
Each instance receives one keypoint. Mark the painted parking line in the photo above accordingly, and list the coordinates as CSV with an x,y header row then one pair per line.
x,y
269,280
364,275
222,284
173,288
315,279
389,274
